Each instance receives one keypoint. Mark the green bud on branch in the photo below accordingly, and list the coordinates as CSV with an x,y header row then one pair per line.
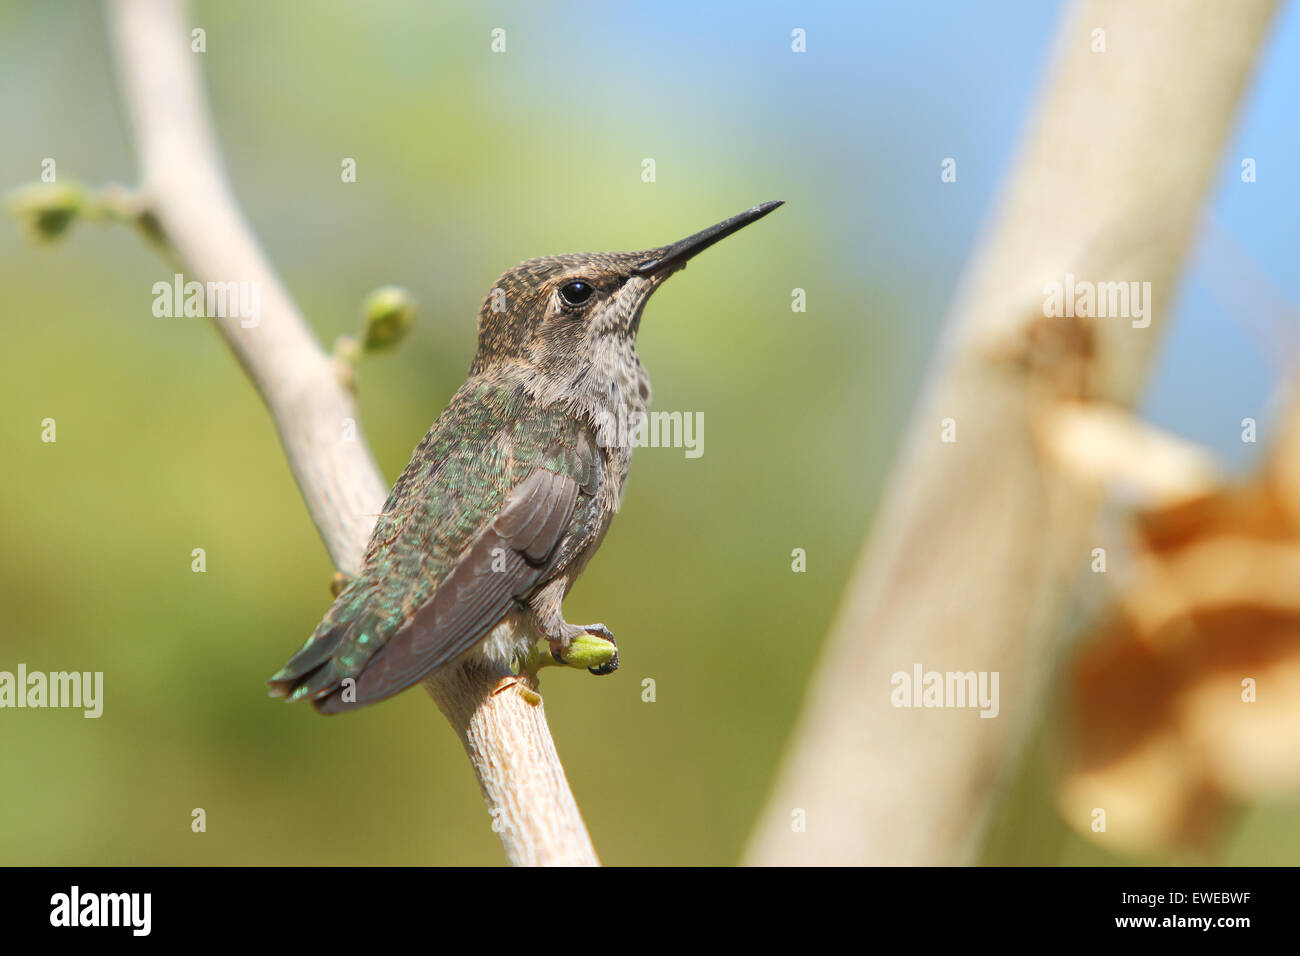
x,y
388,313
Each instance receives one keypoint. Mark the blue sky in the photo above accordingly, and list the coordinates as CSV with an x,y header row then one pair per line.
x,y
886,88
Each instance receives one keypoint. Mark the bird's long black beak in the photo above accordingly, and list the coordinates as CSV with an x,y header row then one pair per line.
x,y
673,257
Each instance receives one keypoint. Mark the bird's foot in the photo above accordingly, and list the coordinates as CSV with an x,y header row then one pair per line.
x,y
339,583
592,646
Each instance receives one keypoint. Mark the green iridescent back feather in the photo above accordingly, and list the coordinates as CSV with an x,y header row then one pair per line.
x,y
484,443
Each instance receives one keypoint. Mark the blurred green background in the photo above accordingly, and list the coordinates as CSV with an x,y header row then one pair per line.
x,y
468,162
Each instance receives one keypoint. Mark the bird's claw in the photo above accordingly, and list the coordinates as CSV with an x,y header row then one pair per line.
x,y
594,649
599,632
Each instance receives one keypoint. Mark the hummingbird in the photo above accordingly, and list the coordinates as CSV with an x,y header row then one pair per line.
x,y
510,492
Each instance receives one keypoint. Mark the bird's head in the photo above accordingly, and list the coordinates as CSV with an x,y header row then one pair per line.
x,y
557,313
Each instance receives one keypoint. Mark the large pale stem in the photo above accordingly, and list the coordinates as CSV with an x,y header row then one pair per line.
x,y
979,540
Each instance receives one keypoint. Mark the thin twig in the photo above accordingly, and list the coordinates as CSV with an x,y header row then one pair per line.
x,y
185,189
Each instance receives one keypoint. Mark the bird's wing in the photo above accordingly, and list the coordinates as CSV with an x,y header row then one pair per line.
x,y
397,622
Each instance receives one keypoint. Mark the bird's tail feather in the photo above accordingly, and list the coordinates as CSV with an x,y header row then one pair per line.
x,y
321,665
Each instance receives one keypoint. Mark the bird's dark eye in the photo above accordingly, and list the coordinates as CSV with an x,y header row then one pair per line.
x,y
576,292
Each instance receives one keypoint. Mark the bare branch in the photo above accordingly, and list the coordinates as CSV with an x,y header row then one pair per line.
x,y
185,189
979,540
